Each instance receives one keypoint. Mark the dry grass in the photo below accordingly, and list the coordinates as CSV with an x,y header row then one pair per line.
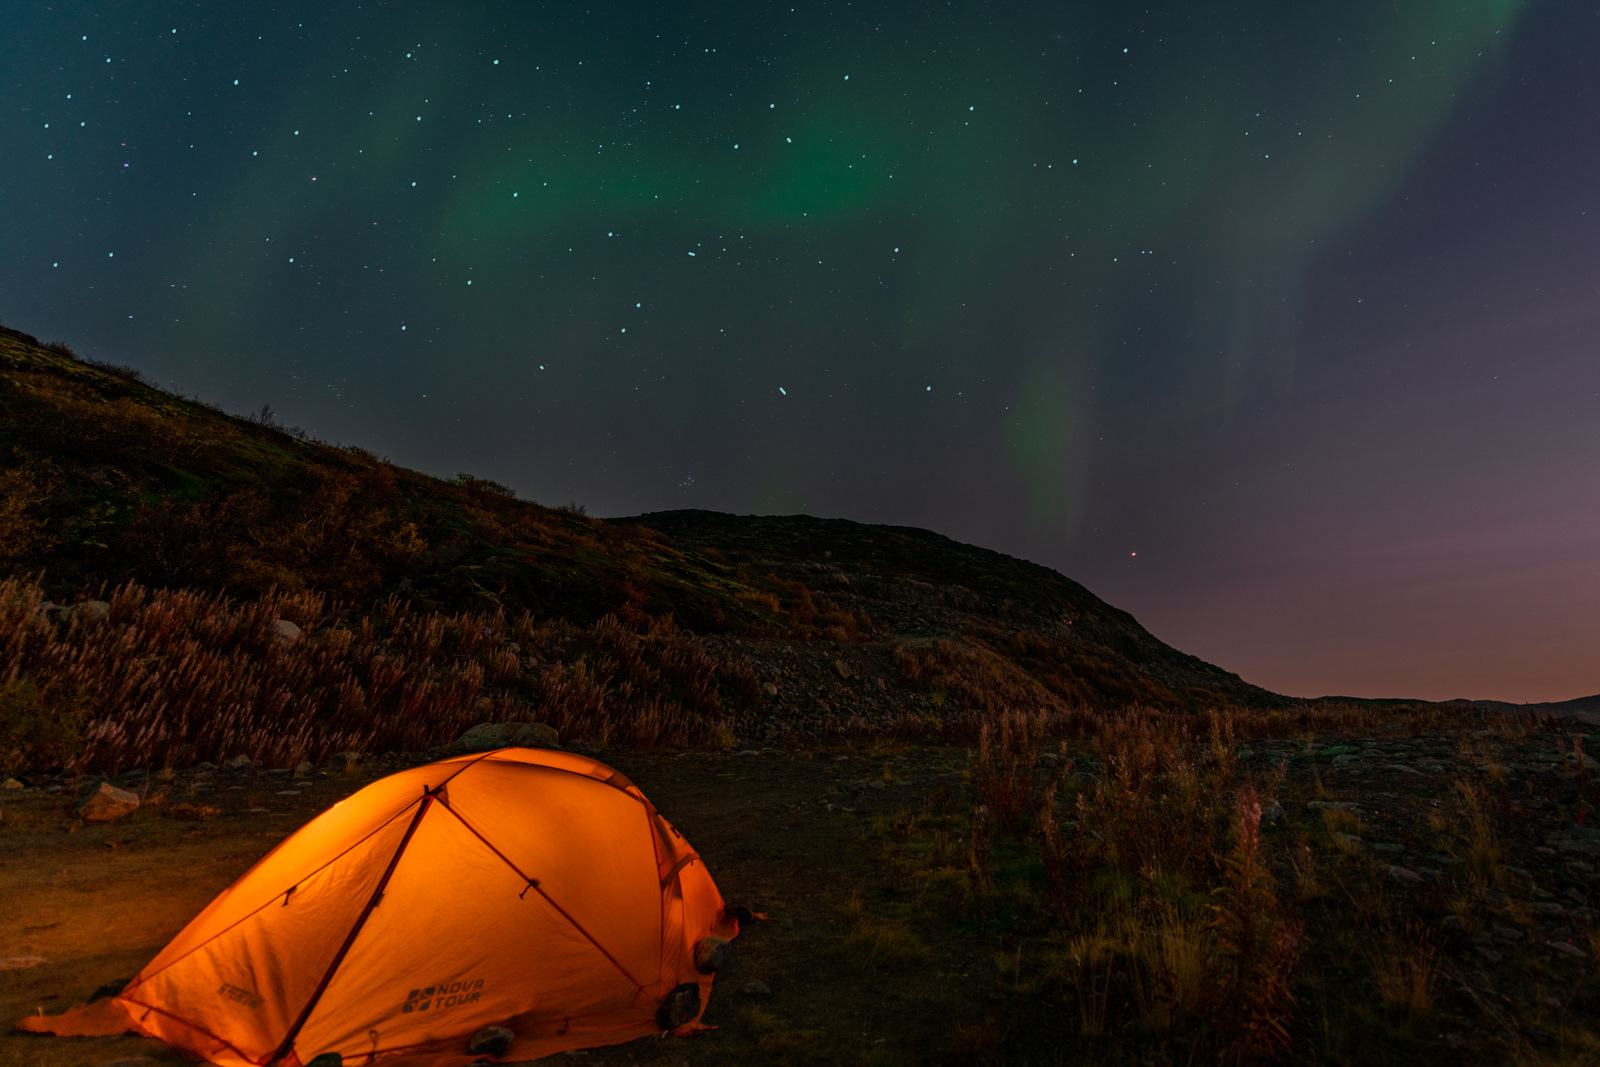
x,y
1404,969
175,677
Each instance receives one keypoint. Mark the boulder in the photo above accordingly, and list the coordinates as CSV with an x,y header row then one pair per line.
x,y
679,1007
284,632
710,954
492,1041
535,735
107,804
487,736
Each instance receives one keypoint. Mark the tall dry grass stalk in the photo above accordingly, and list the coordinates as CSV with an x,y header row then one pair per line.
x,y
175,676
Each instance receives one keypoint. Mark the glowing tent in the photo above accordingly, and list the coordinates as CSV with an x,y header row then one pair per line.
x,y
533,891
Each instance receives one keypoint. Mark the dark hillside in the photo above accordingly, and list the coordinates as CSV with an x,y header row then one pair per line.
x,y
108,480
920,583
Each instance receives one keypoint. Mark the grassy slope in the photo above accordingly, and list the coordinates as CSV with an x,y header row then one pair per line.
x,y
109,480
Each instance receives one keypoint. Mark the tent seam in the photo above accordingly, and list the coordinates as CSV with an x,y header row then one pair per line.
x,y
534,884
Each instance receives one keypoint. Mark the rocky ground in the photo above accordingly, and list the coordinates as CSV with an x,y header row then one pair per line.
x,y
864,961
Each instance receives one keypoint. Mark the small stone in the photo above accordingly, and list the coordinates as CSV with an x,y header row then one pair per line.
x,y
679,1007
1274,810
491,1041
1488,953
110,989
1453,923
843,668
1506,933
1547,909
95,610
284,632
710,954
748,752
239,763
756,990
12,783
107,804
1404,875
882,688
1349,841
1567,948
769,690
303,768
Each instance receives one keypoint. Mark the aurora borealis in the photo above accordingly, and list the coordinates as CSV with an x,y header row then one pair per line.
x,y
1273,324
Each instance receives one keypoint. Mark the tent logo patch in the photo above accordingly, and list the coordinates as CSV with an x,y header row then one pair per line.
x,y
444,995
242,996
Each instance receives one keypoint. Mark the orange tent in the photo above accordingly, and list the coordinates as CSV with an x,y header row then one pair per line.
x,y
532,890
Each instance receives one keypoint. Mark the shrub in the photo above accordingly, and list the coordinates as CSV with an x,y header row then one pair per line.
x,y
38,728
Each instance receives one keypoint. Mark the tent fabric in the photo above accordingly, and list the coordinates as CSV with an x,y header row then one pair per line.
x,y
532,889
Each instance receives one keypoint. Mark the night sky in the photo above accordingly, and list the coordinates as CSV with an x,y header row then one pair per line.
x,y
1276,324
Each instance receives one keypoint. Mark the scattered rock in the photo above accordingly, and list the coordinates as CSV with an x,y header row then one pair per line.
x,y
11,783
110,989
1349,841
1405,875
769,690
491,1041
756,989
1567,948
1488,953
95,610
843,668
748,752
1547,909
303,768
21,963
1274,810
679,1007
107,804
1505,933
1453,923
882,688
284,632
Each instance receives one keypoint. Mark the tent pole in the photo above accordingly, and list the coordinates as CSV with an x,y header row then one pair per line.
x,y
287,1045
